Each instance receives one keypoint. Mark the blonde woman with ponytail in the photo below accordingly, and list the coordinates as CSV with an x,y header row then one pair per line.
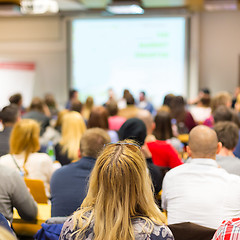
x,y
24,144
120,203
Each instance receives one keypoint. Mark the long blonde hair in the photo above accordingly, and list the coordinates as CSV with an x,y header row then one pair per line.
x,y
119,189
25,138
73,127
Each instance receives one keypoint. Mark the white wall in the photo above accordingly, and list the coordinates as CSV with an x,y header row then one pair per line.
x,y
42,41
219,50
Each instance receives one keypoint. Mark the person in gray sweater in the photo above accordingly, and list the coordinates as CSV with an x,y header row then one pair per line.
x,y
14,193
228,134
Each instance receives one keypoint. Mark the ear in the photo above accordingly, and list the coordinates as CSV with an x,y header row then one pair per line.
x,y
189,151
219,147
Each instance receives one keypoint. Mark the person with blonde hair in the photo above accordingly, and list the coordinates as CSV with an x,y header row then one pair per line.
x,y
73,127
120,202
24,144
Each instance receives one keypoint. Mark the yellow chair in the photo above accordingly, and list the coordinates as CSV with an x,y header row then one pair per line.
x,y
37,190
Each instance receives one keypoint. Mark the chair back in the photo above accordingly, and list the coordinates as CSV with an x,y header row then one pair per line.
x,y
37,190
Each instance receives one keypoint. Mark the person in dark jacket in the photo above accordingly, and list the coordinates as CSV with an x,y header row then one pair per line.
x,y
69,183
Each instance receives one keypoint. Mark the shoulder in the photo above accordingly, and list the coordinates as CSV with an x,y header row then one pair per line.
x,y
67,229
144,231
41,156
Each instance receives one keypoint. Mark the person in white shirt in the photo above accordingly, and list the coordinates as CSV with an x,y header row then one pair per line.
x,y
200,191
24,144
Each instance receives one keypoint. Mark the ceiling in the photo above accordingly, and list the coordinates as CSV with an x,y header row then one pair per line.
x,y
78,6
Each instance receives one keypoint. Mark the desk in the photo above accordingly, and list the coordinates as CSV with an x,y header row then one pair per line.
x,y
29,228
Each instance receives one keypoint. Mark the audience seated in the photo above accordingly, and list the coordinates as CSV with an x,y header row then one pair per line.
x,y
18,100
114,121
135,129
229,230
163,130
99,118
184,119
14,194
39,111
9,116
199,191
69,183
221,98
24,144
144,104
120,202
73,95
227,133
87,107
73,127
163,154
50,101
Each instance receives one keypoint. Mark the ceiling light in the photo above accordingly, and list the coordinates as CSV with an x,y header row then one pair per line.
x,y
124,9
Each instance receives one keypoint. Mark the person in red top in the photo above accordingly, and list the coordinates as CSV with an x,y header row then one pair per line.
x,y
163,153
229,230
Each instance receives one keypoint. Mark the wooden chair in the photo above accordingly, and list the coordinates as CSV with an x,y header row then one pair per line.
x,y
37,190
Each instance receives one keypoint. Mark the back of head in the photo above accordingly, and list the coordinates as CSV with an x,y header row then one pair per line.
x,y
147,118
76,106
221,98
112,108
130,99
205,100
167,99
9,114
134,129
98,118
163,126
222,113
36,105
16,99
227,133
119,189
89,102
203,142
73,127
25,137
50,100
93,141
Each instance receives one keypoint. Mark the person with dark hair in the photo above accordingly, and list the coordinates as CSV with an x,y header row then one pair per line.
x,y
184,119
99,118
51,103
135,129
144,104
67,196
39,111
9,116
73,95
76,106
168,99
228,135
17,99
114,121
222,113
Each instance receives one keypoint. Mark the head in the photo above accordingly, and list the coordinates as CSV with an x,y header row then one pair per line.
x,y
147,118
73,94
93,141
221,98
134,129
89,102
203,143
205,101
10,115
167,99
177,107
16,99
37,104
60,118
112,108
119,186
163,126
76,106
227,133
222,113
50,100
142,96
73,127
130,99
24,138
98,118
